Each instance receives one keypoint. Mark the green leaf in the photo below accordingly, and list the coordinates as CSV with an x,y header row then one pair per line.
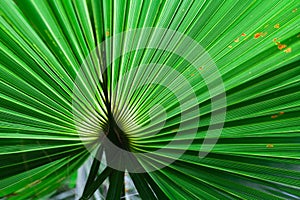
x,y
96,184
142,186
60,93
116,185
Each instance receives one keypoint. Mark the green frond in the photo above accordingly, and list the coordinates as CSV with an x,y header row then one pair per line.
x,y
62,85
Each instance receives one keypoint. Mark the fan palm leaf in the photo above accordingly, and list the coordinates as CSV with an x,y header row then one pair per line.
x,y
61,83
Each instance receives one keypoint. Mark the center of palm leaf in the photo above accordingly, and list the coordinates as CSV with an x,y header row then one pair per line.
x,y
116,135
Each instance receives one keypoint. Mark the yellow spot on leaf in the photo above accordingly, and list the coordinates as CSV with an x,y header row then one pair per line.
x,y
294,10
276,26
237,40
288,50
270,145
230,46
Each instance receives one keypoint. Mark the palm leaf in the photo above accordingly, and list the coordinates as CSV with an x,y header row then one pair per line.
x,y
58,91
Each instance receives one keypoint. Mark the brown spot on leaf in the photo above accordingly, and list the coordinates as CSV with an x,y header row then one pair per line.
x,y
257,35
281,113
270,146
11,195
34,183
294,10
281,46
243,34
260,34
274,116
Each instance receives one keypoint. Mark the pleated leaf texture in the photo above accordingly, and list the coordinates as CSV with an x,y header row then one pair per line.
x,y
217,122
